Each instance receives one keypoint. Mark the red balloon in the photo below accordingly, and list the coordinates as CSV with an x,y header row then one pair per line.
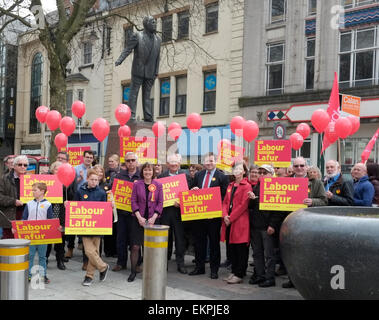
x,y
100,129
194,122
122,114
330,132
60,140
78,108
343,127
66,174
41,113
67,126
250,130
320,119
53,119
159,129
236,125
296,140
124,131
174,130
303,129
355,123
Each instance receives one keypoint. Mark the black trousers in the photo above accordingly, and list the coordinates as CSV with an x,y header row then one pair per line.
x,y
123,237
110,242
171,217
239,255
201,230
264,254
59,249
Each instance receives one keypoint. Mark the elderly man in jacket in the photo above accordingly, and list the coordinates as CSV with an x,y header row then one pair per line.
x,y
339,191
363,189
10,203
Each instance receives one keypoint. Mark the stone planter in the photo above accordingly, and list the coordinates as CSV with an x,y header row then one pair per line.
x,y
332,252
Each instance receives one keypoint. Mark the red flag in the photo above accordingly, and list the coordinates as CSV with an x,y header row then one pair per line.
x,y
366,152
333,109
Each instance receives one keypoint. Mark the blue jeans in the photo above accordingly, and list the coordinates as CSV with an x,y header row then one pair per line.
x,y
1,233
41,249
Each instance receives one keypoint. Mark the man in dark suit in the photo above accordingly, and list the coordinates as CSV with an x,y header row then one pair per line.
x,y
146,45
171,215
208,178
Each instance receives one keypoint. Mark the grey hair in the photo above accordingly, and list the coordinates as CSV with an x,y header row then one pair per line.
x,y
20,158
130,153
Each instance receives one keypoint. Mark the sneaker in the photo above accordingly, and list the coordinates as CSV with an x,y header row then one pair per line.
x,y
87,281
228,277
46,280
103,275
234,280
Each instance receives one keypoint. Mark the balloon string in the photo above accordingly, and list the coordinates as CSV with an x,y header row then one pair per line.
x,y
80,139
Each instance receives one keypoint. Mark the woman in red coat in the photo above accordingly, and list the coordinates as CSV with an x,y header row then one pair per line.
x,y
235,228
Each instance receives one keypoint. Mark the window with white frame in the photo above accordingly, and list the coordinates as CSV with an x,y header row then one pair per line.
x,y
183,24
277,10
310,64
211,18
164,103
87,52
358,58
181,94
69,101
312,7
167,28
275,69
347,4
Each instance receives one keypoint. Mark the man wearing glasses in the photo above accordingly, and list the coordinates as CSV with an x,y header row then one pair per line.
x,y
131,174
63,157
10,204
81,169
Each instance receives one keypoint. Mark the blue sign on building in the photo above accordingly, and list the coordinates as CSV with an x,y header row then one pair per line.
x,y
165,88
210,82
126,93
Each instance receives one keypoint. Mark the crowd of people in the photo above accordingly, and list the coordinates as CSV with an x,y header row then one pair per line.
x,y
242,225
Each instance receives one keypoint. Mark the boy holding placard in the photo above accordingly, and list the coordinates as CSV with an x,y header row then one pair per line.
x,y
38,209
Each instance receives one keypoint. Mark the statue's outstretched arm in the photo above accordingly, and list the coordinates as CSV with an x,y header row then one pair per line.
x,y
132,43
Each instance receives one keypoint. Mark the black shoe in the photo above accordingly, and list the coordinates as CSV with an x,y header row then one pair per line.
x,y
65,259
61,265
225,264
214,275
288,284
132,277
196,272
256,280
103,275
182,269
267,283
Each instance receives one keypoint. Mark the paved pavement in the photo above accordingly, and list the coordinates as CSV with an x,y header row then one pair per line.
x,y
66,285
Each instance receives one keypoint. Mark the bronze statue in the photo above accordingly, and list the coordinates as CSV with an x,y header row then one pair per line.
x,y
146,45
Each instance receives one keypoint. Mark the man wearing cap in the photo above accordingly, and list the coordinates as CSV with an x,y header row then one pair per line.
x,y
263,226
171,215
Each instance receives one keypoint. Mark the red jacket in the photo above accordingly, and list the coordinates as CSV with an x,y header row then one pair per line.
x,y
239,217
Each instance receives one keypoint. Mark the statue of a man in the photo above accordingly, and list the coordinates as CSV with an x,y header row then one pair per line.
x,y
146,45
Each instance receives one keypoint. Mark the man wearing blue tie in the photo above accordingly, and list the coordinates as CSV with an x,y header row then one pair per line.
x,y
208,178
